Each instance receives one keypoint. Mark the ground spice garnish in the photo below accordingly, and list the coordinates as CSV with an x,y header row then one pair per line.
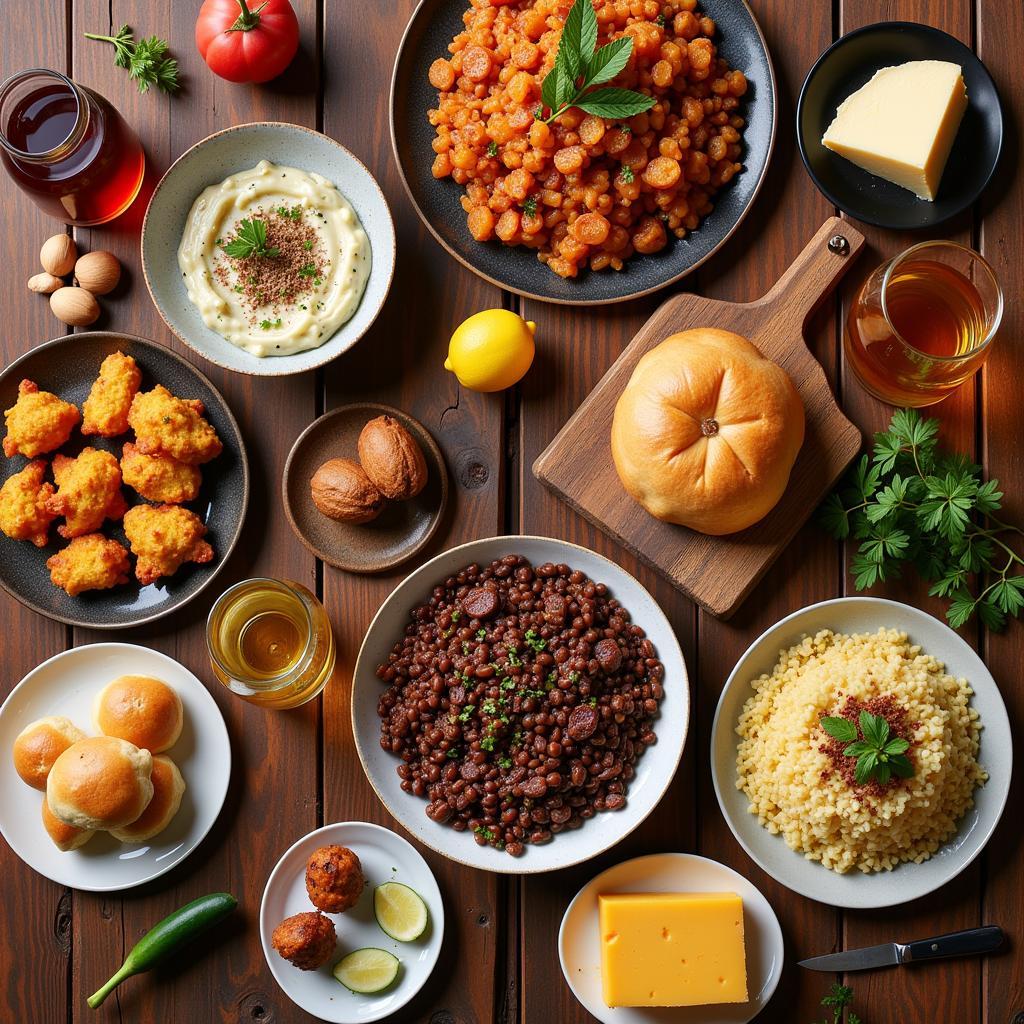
x,y
900,727
276,283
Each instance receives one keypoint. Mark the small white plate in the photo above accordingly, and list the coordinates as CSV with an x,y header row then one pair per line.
x,y
579,947
908,881
66,684
385,857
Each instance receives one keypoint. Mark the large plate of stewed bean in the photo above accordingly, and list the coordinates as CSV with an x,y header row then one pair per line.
x,y
520,704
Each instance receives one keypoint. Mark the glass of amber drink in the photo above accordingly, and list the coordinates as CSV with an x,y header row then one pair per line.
x,y
923,323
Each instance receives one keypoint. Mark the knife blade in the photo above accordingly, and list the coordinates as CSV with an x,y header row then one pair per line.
x,y
891,954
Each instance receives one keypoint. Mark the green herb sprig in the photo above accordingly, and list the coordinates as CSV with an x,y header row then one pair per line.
x,y
879,756
579,66
250,240
837,1000
146,61
911,503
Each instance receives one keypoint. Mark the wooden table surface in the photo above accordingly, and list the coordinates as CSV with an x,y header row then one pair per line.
x,y
293,771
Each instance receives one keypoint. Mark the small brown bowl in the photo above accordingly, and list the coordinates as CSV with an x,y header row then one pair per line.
x,y
399,532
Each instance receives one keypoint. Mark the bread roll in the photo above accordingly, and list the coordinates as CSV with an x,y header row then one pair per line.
x,y
141,710
100,782
40,744
706,432
65,837
168,787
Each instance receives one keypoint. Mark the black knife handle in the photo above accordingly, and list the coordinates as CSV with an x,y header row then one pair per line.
x,y
974,940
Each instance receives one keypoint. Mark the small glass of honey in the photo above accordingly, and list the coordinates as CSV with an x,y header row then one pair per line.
x,y
923,323
271,642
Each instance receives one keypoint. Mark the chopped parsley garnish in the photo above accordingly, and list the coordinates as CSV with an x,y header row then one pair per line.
x,y
508,684
307,270
481,634
504,762
530,206
626,173
268,325
492,149
487,743
467,712
534,641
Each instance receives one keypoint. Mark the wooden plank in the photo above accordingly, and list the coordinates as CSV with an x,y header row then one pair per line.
x,y
430,295
37,913
242,850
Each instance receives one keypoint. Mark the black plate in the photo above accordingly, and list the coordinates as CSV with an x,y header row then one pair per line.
x,y
848,64
67,367
431,29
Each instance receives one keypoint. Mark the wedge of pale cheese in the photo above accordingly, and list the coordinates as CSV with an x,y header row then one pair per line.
x,y
902,124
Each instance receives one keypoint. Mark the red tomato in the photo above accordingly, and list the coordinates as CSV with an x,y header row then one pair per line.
x,y
247,45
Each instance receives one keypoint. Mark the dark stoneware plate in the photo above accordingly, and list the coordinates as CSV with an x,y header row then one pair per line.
x,y
402,529
67,367
432,28
848,64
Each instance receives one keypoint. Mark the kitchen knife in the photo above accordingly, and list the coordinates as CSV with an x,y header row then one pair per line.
x,y
890,954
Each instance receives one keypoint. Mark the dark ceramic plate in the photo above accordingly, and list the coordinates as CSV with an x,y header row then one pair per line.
x,y
67,367
431,29
851,62
402,529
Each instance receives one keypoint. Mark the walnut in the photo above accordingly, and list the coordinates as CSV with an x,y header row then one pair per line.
x,y
392,458
342,491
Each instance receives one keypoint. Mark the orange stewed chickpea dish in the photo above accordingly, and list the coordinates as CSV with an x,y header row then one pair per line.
x,y
585,191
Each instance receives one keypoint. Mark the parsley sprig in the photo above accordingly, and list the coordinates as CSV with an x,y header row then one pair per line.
x,y
911,503
250,240
838,999
146,61
879,755
579,66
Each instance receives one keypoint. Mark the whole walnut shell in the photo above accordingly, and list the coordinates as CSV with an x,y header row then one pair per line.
x,y
392,458
342,491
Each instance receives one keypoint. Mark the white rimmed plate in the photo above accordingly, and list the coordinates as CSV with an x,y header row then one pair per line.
x,y
66,684
579,946
385,857
907,881
654,769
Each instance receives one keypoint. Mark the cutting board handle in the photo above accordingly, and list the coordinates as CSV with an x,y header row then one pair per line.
x,y
813,274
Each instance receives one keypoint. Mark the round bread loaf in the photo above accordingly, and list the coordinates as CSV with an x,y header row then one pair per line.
x,y
706,432
101,783
65,837
141,710
39,744
168,787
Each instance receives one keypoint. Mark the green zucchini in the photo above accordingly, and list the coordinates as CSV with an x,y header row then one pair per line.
x,y
168,937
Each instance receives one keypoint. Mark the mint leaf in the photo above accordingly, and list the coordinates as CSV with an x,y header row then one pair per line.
x,y
897,746
614,103
839,728
607,62
858,749
557,88
579,37
874,728
902,766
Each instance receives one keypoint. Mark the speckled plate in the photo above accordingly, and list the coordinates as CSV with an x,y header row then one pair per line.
x,y
67,367
399,532
431,29
211,161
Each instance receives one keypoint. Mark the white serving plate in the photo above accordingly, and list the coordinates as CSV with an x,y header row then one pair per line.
x,y
579,946
907,881
66,684
385,857
654,770
237,149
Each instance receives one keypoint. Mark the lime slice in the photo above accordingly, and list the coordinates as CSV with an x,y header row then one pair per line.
x,y
400,912
367,970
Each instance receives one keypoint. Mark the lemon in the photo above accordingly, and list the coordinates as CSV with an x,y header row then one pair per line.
x,y
491,350
399,911
367,970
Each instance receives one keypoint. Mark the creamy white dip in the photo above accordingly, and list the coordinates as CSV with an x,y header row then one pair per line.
x,y
212,278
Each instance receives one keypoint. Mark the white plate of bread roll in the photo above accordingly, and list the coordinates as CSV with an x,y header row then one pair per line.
x,y
114,764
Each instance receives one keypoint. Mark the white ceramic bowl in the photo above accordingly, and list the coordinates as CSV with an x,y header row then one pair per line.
x,y
654,769
385,857
211,161
579,947
907,881
66,685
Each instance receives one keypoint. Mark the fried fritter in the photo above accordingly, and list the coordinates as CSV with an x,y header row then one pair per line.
x,y
110,398
89,563
38,422
334,879
163,538
159,477
305,940
167,425
88,491
23,511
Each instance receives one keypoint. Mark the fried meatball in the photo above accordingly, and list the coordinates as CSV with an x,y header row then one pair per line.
x,y
163,538
91,562
306,940
334,879
110,398
159,477
38,422
23,511
167,425
88,491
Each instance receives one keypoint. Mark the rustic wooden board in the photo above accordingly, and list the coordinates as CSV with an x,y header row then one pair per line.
x,y
718,572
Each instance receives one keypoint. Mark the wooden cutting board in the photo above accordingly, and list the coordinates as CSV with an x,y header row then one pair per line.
x,y
718,572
